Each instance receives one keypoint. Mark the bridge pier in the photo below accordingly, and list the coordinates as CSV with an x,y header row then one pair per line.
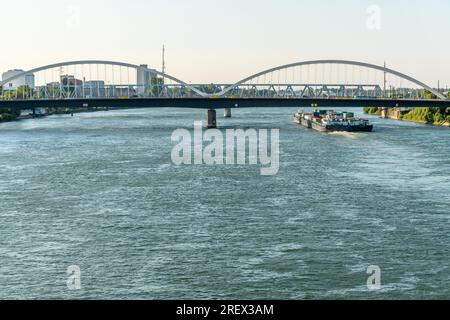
x,y
212,119
227,113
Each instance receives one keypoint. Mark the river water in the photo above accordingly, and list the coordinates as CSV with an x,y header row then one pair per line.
x,y
99,191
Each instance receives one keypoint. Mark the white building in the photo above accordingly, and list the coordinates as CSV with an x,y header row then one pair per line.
x,y
144,78
27,80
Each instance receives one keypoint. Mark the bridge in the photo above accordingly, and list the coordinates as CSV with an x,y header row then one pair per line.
x,y
319,83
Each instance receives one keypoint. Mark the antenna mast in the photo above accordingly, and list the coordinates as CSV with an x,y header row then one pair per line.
x,y
164,63
384,80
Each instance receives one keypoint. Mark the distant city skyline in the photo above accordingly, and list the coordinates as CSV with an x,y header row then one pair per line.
x,y
208,41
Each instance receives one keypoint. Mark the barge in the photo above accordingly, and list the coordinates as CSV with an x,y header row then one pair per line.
x,y
330,121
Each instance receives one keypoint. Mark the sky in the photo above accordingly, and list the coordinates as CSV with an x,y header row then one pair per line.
x,y
224,41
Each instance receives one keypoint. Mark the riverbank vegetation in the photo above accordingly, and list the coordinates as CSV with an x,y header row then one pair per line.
x,y
8,115
372,110
435,116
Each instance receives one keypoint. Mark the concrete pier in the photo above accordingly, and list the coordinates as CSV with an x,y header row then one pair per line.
x,y
212,119
227,113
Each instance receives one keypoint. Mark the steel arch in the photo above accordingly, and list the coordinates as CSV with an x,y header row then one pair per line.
x,y
343,62
114,63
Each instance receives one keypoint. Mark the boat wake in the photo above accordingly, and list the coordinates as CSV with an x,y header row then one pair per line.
x,y
349,135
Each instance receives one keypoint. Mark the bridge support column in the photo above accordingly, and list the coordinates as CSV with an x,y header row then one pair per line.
x,y
212,119
227,113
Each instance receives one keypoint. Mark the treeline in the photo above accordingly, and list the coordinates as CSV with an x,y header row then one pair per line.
x,y
428,115
372,110
437,116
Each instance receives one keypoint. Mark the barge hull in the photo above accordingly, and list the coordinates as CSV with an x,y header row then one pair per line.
x,y
368,128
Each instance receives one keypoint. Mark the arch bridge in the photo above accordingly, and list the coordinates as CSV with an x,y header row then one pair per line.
x,y
317,83
96,79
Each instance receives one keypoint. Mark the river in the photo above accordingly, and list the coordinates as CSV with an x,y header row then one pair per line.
x,y
99,191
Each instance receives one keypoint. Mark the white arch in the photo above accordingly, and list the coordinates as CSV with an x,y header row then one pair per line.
x,y
345,62
226,90
87,62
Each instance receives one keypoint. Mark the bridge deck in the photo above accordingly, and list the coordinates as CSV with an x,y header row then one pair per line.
x,y
220,103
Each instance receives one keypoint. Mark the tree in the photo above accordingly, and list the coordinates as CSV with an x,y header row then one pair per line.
x,y
156,86
429,95
8,114
23,92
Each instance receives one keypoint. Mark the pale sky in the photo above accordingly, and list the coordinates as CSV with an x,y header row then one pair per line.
x,y
225,41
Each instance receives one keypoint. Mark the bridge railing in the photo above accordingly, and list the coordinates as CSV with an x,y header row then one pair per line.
x,y
174,91
351,91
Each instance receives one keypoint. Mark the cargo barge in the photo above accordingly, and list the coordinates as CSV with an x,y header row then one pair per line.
x,y
330,121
